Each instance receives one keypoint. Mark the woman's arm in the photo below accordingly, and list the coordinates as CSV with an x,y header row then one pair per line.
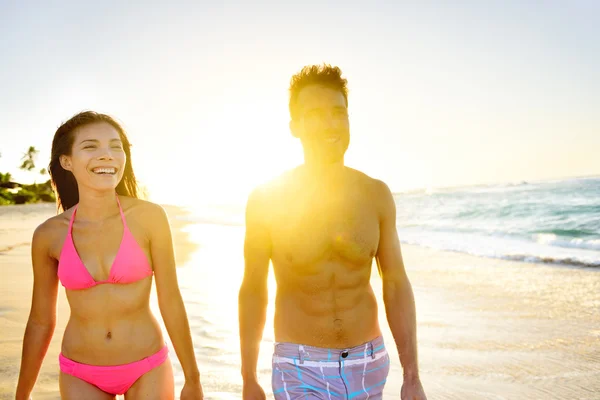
x,y
42,317
169,297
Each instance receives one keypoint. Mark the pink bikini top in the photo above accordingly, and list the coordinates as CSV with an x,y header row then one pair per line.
x,y
130,264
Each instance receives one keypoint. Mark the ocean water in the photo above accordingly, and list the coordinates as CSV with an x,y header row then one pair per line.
x,y
554,222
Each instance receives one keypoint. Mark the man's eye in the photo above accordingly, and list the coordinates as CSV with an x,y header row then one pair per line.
x,y
314,114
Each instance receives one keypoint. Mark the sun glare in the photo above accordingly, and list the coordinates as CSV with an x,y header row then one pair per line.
x,y
223,161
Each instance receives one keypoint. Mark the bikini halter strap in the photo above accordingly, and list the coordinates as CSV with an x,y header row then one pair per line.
x,y
75,211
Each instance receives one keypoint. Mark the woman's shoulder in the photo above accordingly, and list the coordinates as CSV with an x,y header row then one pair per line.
x,y
143,211
134,204
52,228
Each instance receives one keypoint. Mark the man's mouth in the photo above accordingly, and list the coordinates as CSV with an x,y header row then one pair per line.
x,y
104,170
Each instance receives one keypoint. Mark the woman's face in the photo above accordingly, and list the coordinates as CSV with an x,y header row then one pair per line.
x,y
97,157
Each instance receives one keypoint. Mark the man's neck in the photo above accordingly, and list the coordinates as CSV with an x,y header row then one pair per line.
x,y
317,170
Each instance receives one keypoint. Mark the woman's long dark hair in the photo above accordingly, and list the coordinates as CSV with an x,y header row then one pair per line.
x,y
63,181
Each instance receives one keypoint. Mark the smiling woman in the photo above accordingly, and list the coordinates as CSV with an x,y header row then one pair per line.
x,y
105,248
79,139
94,157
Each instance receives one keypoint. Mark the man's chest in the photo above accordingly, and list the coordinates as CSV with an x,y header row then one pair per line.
x,y
309,230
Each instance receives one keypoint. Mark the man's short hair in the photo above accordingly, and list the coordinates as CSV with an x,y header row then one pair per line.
x,y
324,75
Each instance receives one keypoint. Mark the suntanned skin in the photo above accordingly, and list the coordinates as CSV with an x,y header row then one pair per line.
x,y
323,237
105,318
109,324
321,225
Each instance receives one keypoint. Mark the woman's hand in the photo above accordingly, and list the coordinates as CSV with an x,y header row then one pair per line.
x,y
192,391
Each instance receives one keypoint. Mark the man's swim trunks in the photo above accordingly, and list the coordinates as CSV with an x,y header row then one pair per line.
x,y
305,372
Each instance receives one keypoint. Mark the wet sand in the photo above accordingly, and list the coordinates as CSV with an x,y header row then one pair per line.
x,y
492,329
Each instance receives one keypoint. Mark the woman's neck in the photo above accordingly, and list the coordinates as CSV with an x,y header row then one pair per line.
x,y
96,206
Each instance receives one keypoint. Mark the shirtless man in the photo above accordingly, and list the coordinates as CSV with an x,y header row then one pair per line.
x,y
321,224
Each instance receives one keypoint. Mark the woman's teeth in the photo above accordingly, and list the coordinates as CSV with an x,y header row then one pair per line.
x,y
110,171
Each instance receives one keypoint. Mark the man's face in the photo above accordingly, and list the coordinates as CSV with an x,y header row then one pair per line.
x,y
322,123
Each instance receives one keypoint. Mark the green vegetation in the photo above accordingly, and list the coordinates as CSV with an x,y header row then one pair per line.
x,y
16,193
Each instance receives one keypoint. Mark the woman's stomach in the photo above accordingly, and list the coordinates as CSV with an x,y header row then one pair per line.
x,y
111,324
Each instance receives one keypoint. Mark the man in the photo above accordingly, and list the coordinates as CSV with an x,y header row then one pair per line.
x,y
321,224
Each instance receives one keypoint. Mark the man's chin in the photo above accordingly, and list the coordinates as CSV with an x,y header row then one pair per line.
x,y
335,157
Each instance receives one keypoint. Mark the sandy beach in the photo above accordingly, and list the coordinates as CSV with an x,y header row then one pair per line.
x,y
487,329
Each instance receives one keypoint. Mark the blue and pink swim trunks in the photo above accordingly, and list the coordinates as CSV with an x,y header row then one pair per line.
x,y
311,373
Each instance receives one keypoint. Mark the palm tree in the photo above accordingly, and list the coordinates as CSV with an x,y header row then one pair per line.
x,y
29,159
5,178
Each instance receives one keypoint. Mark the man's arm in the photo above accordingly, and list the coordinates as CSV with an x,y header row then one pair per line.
x,y
253,294
397,290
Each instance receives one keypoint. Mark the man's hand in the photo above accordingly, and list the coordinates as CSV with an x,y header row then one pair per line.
x,y
253,297
412,390
253,391
192,391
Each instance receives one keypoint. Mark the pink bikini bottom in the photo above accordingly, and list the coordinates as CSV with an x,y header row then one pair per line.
x,y
113,379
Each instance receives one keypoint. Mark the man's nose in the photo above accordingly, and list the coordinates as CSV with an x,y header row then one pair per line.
x,y
328,122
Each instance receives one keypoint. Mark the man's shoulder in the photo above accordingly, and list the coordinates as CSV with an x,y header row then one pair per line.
x,y
274,187
375,186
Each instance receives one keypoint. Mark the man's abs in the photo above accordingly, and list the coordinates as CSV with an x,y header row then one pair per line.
x,y
321,315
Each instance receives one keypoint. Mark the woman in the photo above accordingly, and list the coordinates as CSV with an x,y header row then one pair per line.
x,y
104,249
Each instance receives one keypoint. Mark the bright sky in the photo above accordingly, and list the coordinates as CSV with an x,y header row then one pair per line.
x,y
440,95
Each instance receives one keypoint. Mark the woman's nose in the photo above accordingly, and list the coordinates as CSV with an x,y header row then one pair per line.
x,y
106,155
